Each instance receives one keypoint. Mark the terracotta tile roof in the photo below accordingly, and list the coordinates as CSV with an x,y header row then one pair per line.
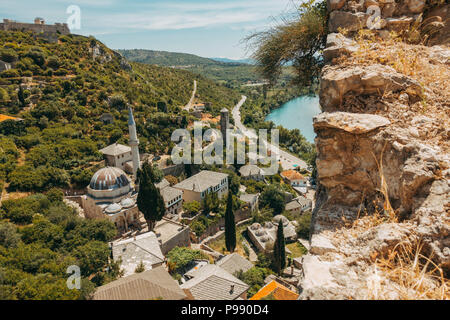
x,y
148,285
4,117
279,292
291,175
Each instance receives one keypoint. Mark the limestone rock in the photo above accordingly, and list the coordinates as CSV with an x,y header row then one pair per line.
x,y
347,20
416,6
399,24
321,245
338,45
374,79
350,122
388,10
335,4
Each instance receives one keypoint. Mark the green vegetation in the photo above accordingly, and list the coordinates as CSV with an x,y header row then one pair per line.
x,y
180,257
272,197
230,225
304,224
279,251
298,41
40,237
297,250
254,277
57,143
149,199
231,74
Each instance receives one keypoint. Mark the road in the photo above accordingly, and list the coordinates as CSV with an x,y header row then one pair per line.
x,y
287,160
191,101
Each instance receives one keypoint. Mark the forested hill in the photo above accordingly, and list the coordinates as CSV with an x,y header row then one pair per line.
x,y
165,58
232,74
61,90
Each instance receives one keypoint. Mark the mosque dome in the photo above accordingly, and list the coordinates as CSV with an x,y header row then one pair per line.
x,y
113,208
109,178
280,218
127,203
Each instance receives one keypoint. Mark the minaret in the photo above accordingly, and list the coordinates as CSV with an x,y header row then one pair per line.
x,y
133,142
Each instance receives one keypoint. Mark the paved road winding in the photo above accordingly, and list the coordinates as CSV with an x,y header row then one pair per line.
x,y
288,161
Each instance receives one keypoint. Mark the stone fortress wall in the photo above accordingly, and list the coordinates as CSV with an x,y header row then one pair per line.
x,y
38,26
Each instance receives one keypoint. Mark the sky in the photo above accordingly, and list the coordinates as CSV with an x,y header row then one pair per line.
x,y
208,28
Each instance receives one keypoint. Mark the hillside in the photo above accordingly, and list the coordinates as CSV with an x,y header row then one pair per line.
x,y
61,90
232,74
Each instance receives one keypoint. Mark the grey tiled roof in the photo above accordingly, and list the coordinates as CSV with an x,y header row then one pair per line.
x,y
162,184
234,262
250,170
248,198
201,181
151,284
145,248
214,283
115,149
169,193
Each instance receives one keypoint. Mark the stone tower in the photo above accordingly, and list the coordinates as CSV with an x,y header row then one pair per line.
x,y
133,142
224,122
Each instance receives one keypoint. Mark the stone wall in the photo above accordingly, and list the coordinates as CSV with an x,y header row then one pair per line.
x,y
373,141
60,28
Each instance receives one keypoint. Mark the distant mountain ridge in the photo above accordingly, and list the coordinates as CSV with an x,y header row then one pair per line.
x,y
243,61
233,73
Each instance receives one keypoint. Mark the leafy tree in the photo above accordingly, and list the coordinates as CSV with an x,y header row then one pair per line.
x,y
92,256
198,228
272,197
304,225
298,41
279,250
230,225
192,208
9,238
180,257
254,277
149,200
171,179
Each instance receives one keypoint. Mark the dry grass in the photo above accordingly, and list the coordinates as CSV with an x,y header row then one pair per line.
x,y
414,276
408,59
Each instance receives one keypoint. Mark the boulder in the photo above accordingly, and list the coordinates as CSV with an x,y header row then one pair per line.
x,y
374,79
399,24
335,4
356,123
416,6
347,20
321,245
338,45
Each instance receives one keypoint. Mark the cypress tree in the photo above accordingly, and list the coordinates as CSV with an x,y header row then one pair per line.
x,y
279,250
230,225
149,199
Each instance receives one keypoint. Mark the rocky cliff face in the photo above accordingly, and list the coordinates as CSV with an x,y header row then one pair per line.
x,y
383,157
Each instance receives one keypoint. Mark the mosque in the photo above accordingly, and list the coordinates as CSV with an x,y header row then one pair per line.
x,y
111,193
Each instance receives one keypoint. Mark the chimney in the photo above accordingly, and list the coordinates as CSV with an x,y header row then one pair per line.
x,y
232,289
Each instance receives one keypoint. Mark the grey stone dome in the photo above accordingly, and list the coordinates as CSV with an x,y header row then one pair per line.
x,y
127,203
280,218
113,208
109,178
